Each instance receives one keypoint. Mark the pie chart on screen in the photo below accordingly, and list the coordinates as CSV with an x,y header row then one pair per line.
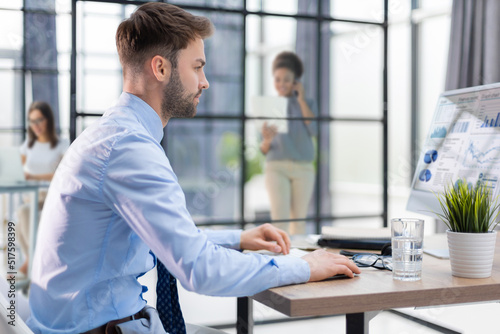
x,y
425,175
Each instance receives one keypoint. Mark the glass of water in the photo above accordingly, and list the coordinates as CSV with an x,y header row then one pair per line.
x,y
407,242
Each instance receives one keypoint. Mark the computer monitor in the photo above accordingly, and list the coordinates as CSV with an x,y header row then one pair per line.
x,y
463,142
11,168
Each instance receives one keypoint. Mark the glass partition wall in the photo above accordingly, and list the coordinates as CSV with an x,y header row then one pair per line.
x,y
63,51
216,156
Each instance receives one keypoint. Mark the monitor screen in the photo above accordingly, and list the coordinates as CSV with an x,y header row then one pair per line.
x,y
463,142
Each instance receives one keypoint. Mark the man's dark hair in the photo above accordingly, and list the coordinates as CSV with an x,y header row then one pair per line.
x,y
289,60
47,113
158,29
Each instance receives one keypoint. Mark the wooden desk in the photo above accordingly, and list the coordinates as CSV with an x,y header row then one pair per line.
x,y
374,290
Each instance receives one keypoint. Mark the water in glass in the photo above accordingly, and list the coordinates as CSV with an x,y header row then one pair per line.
x,y
407,258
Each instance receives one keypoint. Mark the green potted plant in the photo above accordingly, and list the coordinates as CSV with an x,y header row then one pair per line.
x,y
470,213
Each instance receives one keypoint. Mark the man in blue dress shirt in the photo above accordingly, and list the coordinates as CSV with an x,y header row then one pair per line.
x,y
115,201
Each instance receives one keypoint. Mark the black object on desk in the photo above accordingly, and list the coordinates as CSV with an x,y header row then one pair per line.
x,y
371,244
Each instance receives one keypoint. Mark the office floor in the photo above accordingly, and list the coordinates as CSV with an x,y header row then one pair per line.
x,y
468,319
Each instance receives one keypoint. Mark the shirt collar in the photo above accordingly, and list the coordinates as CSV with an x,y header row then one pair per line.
x,y
144,113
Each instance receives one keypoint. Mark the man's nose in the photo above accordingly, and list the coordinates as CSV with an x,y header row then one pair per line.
x,y
204,84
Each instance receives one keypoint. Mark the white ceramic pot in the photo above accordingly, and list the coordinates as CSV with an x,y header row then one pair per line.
x,y
471,254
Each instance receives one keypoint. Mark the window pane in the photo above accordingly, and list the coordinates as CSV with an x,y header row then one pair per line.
x,y
356,70
356,168
11,4
226,4
129,9
433,59
224,66
92,98
433,5
98,28
283,182
11,96
64,62
7,63
205,155
63,6
63,28
11,38
99,8
270,34
400,174
256,198
289,7
399,12
108,63
366,10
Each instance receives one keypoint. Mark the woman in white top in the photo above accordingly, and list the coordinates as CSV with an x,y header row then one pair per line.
x,y
40,153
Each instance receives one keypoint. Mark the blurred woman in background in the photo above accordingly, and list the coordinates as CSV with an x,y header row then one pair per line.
x,y
289,167
41,152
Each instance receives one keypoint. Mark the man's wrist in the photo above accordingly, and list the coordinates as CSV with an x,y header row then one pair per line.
x,y
292,270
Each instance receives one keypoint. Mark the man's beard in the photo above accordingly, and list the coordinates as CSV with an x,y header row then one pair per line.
x,y
176,101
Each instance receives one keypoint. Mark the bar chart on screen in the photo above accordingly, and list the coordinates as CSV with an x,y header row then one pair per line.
x,y
488,123
488,117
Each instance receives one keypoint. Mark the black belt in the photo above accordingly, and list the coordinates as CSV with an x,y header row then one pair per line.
x,y
109,327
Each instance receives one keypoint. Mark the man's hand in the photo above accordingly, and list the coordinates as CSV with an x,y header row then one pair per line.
x,y
266,237
324,264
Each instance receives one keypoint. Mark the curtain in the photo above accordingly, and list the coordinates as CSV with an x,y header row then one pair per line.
x,y
307,49
41,52
474,44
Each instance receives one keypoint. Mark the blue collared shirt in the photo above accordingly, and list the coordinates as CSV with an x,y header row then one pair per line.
x,y
113,200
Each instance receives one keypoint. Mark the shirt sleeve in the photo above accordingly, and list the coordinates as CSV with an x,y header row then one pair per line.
x,y
225,238
141,187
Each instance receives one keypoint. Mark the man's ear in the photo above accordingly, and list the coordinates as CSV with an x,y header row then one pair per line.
x,y
161,68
